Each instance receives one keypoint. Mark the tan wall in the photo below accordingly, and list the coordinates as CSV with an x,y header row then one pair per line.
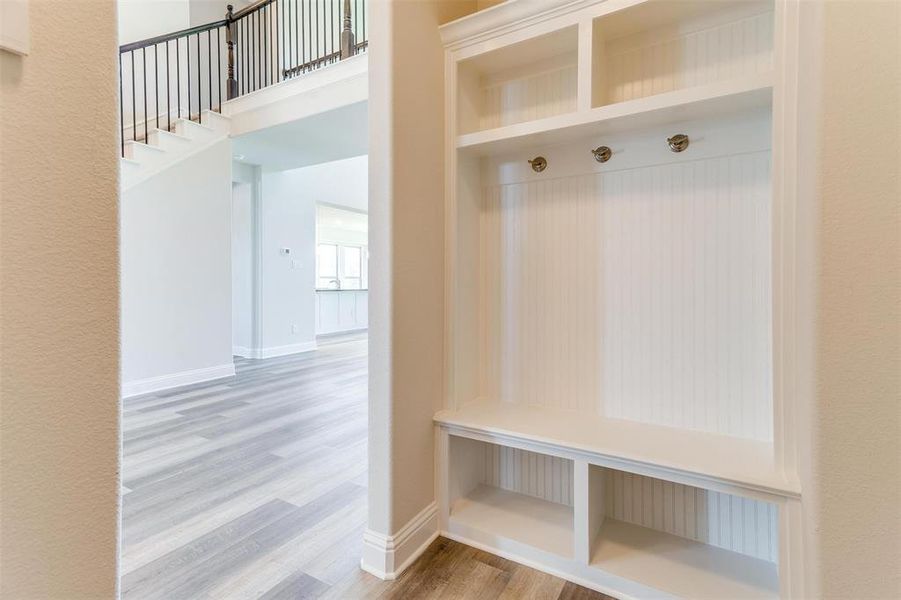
x,y
852,486
59,297
406,200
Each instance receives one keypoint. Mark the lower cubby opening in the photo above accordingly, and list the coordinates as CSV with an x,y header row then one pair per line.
x,y
682,540
501,496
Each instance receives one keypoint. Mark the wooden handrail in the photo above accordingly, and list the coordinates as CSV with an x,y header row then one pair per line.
x,y
160,39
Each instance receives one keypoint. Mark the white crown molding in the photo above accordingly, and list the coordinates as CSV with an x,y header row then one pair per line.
x,y
173,380
512,14
387,557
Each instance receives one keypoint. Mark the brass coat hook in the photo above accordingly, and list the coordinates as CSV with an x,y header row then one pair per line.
x,y
539,164
678,142
602,153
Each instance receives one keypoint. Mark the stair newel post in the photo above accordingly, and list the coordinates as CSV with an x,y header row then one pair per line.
x,y
347,34
231,87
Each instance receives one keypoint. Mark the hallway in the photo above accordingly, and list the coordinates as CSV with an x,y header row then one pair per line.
x,y
241,486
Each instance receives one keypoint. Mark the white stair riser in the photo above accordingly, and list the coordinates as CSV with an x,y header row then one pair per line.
x,y
214,120
195,131
169,142
148,156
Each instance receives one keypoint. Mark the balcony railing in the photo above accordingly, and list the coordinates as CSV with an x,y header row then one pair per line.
x,y
184,73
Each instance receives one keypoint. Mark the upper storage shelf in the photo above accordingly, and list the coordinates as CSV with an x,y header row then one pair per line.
x,y
707,101
664,45
599,71
522,82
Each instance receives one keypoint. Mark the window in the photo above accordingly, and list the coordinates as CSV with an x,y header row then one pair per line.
x,y
340,267
327,266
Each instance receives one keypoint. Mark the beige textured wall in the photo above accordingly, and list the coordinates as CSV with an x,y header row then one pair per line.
x,y
852,487
406,200
59,306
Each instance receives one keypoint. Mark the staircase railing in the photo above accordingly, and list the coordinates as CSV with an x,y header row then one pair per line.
x,y
181,74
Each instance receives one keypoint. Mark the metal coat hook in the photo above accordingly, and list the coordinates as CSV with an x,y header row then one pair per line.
x,y
678,142
602,153
539,164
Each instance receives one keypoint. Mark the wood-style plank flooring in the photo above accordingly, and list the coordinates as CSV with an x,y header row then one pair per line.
x,y
255,487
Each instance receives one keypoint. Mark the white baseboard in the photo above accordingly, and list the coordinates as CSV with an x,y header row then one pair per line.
x,y
165,382
274,351
386,557
244,352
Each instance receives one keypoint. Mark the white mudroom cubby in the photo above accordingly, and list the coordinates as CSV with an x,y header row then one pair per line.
x,y
680,539
524,497
521,82
667,45
618,293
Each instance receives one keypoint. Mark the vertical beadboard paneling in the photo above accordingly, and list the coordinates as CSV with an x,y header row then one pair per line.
x,y
730,522
529,97
539,272
686,273
640,294
670,58
537,475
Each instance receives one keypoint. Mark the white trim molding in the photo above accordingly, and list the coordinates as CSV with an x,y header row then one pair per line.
x,y
387,557
274,351
173,380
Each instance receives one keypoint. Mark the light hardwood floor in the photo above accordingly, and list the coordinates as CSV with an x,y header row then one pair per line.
x,y
255,487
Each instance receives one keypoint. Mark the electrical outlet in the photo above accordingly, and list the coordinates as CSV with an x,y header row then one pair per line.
x,y
294,328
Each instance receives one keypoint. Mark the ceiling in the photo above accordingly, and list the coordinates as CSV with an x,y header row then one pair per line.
x,y
324,137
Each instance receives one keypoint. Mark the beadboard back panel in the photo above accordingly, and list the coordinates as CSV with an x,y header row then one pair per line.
x,y
641,293
742,525
537,475
546,90
721,46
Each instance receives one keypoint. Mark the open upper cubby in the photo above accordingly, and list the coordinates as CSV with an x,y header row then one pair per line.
x,y
661,46
530,80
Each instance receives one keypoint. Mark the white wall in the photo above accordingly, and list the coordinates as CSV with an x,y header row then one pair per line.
x,y
340,183
288,220
176,274
59,276
142,19
242,268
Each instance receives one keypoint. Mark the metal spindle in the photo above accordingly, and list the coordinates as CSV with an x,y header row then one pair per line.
x,y
199,79
266,27
177,79
168,91
209,67
121,109
156,83
188,72
219,68
134,95
144,83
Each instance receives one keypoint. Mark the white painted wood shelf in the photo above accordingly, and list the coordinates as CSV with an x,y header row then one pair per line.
x,y
494,512
707,101
682,567
712,461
